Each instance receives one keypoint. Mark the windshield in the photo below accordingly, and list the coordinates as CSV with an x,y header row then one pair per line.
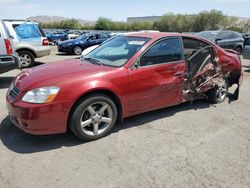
x,y
209,35
82,37
117,51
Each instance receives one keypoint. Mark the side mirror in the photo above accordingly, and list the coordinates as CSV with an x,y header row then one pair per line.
x,y
136,64
217,40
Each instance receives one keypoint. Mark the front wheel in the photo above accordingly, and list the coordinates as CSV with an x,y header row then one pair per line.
x,y
238,50
93,117
77,50
219,93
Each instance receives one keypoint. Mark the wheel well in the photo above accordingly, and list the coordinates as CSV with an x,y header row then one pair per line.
x,y
233,78
108,93
26,49
239,47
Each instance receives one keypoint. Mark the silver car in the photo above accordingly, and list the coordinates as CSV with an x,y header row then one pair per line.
x,y
8,60
29,40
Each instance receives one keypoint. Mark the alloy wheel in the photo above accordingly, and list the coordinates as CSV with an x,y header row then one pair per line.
x,y
25,60
96,118
77,50
221,91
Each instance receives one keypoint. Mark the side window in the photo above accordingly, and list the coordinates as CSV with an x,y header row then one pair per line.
x,y
198,55
93,37
237,35
167,50
225,35
103,36
221,35
191,46
231,35
27,31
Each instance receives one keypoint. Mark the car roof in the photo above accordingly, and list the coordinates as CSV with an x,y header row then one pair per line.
x,y
158,35
20,21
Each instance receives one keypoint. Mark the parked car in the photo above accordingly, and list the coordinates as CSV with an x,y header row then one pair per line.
x,y
246,53
8,60
128,75
76,46
29,39
74,35
225,39
246,38
55,37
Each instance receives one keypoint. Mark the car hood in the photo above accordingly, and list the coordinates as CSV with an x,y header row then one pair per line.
x,y
58,73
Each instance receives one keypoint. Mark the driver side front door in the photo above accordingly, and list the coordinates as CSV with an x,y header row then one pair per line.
x,y
158,80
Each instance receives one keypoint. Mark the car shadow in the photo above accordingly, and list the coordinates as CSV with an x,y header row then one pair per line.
x,y
38,63
247,70
5,82
141,119
18,141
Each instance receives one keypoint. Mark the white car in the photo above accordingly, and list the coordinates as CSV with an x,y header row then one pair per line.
x,y
73,35
29,40
8,60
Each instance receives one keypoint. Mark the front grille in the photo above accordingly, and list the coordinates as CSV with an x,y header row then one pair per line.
x,y
14,91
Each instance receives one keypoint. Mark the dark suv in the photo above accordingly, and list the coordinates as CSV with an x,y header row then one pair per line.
x,y
225,39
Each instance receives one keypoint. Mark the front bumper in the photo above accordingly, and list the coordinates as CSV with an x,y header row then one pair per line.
x,y
8,62
39,119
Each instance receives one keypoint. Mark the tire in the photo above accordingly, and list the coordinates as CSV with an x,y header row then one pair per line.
x,y
93,117
219,93
77,50
238,50
27,59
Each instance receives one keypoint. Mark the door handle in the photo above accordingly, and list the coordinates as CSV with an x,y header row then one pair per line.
x,y
178,74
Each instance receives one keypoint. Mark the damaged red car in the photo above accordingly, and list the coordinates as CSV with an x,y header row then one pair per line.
x,y
125,76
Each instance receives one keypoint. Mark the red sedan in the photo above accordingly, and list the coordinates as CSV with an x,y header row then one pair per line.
x,y
127,75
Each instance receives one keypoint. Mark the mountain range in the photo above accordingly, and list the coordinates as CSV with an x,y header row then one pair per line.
x,y
50,19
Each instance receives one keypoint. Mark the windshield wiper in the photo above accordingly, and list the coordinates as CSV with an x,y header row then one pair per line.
x,y
92,60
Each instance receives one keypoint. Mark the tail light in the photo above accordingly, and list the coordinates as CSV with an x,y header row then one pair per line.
x,y
8,46
45,42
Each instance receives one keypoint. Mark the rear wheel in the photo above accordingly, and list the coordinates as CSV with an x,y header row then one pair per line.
x,y
219,93
93,117
27,59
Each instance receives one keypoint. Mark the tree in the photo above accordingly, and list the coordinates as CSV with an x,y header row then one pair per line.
x,y
104,24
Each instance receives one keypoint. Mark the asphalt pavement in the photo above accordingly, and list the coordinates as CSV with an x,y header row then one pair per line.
x,y
189,145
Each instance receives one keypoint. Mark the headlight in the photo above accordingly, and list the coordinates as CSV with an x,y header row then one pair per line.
x,y
41,95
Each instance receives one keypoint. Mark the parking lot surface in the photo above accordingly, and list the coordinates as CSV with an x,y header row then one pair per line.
x,y
189,145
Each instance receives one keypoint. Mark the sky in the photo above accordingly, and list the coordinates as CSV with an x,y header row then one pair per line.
x,y
117,10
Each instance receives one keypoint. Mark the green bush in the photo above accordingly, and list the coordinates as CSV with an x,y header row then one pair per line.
x,y
205,20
